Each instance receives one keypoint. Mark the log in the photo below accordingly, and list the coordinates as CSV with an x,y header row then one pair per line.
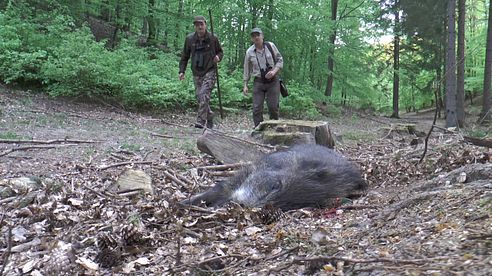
x,y
227,149
479,142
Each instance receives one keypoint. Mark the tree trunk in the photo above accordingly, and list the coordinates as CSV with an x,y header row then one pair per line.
x,y
460,90
177,41
396,61
485,115
451,119
331,51
152,37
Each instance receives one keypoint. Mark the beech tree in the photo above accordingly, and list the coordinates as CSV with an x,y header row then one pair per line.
x,y
485,115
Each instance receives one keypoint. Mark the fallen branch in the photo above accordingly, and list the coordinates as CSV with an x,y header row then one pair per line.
x,y
358,261
7,252
224,167
130,193
33,147
359,207
161,135
479,142
222,173
181,177
124,164
173,178
54,141
426,144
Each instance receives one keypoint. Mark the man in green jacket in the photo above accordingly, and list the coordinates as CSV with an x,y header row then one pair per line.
x,y
205,51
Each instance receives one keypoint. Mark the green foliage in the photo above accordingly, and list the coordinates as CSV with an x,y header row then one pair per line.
x,y
9,135
47,42
300,104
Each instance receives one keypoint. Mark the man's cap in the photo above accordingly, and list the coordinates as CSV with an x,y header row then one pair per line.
x,y
256,30
199,18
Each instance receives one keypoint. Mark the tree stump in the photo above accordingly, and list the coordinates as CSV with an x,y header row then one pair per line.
x,y
293,132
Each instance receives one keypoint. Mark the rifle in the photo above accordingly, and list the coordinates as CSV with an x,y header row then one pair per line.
x,y
216,68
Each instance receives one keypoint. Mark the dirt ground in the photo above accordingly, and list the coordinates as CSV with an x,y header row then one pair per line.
x,y
428,218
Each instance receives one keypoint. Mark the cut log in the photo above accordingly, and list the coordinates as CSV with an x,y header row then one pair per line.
x,y
228,149
293,132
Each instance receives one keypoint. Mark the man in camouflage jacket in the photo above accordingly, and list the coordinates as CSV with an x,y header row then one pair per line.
x,y
205,51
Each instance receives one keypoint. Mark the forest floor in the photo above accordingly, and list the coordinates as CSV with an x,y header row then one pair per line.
x,y
61,213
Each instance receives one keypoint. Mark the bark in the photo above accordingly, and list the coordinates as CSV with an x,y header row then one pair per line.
x,y
460,90
485,115
451,118
331,51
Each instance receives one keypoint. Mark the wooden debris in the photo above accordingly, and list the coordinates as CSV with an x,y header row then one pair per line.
x,y
102,168
33,147
479,142
227,149
132,180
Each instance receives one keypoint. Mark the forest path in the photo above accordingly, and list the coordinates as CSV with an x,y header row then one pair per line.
x,y
415,219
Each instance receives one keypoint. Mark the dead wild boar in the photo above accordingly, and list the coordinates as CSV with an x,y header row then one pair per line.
x,y
302,176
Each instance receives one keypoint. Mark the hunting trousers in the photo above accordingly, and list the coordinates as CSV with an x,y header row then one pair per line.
x,y
203,88
269,91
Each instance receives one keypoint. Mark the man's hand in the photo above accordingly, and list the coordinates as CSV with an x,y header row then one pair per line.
x,y
271,73
181,76
245,90
217,59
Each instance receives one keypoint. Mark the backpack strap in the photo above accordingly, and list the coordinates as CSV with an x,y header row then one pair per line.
x,y
269,46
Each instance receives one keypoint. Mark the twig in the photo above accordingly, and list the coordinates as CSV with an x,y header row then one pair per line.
x,y
220,257
195,208
430,130
124,164
130,192
359,207
54,141
94,191
168,123
286,252
480,237
181,177
224,167
222,173
161,135
173,178
8,200
6,254
359,261
33,147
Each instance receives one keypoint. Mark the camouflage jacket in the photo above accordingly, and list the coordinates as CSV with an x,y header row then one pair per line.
x,y
202,52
